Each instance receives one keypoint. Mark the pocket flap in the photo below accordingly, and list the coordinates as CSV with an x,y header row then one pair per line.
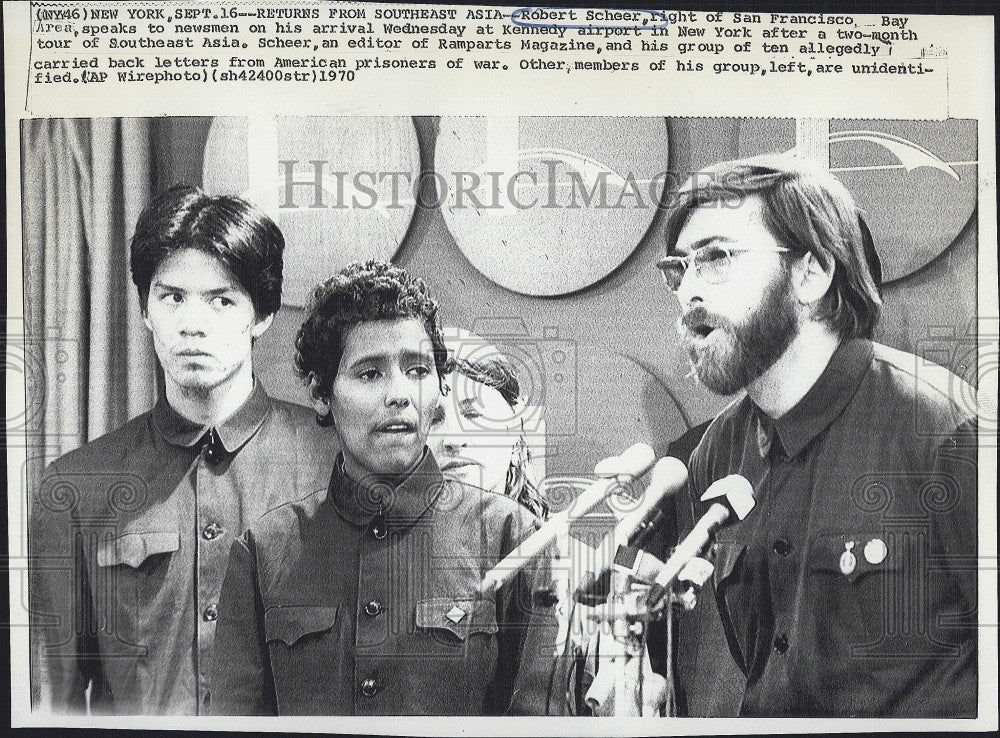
x,y
851,555
289,623
726,557
460,616
132,549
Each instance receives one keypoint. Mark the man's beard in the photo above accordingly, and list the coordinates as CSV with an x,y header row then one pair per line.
x,y
744,351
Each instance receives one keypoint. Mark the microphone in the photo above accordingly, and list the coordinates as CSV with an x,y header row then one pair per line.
x,y
668,477
735,495
632,463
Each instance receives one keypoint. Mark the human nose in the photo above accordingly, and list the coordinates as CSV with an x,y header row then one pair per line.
x,y
398,393
689,289
193,319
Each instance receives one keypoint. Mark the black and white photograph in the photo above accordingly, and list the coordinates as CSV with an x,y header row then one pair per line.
x,y
513,423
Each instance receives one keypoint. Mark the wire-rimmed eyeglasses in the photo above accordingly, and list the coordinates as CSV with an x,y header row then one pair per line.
x,y
711,263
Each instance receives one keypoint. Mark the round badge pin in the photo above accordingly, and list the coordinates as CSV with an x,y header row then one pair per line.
x,y
876,551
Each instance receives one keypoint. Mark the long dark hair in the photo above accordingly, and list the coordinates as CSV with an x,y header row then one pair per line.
x,y
497,371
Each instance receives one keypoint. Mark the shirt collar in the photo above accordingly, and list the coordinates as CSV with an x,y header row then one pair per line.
x,y
821,405
233,432
402,505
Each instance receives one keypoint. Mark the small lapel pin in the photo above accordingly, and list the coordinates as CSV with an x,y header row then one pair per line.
x,y
848,561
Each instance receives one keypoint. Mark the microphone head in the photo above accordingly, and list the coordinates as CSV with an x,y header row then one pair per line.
x,y
632,462
668,477
669,474
736,492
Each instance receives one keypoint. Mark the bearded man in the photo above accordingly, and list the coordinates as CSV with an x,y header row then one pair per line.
x,y
851,589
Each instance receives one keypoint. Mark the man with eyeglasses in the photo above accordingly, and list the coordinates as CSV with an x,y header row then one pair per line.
x,y
851,589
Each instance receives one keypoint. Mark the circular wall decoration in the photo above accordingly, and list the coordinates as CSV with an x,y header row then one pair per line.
x,y
351,189
916,180
549,205
617,402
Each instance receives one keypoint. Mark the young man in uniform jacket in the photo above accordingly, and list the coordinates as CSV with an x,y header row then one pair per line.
x,y
129,534
851,589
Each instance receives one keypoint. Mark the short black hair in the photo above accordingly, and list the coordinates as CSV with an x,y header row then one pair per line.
x,y
234,231
359,293
806,209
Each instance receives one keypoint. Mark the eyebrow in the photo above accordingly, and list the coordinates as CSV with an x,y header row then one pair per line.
x,y
211,293
405,356
702,242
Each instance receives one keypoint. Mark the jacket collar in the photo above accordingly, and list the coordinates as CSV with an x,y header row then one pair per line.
x,y
233,432
821,405
360,501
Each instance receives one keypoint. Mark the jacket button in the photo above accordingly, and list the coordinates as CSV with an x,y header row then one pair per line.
x,y
373,608
781,643
370,687
211,613
212,531
782,547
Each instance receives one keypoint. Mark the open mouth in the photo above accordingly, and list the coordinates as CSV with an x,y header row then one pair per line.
x,y
701,331
699,324
397,426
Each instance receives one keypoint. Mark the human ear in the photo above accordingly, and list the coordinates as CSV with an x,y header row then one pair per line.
x,y
813,280
258,328
320,402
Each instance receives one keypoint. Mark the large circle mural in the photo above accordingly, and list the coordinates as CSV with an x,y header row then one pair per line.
x,y
548,206
916,180
340,188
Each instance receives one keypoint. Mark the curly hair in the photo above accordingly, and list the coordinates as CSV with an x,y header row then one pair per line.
x,y
234,231
359,293
806,209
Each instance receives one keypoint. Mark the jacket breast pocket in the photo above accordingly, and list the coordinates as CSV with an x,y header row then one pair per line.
x,y
132,577
289,624
306,653
857,590
132,549
454,622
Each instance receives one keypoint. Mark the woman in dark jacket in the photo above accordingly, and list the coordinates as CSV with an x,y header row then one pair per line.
x,y
361,598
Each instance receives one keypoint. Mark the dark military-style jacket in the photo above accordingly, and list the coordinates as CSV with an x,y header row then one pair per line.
x,y
851,589
360,599
128,539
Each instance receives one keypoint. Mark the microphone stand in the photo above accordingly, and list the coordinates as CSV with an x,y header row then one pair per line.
x,y
626,618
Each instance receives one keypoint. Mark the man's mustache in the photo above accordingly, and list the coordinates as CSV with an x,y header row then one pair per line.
x,y
699,316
